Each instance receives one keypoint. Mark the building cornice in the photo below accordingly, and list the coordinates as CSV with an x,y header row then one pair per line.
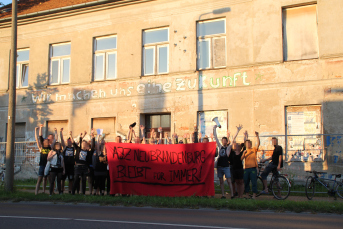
x,y
68,11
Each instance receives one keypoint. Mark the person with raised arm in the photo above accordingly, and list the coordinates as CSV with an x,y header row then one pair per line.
x,y
44,149
250,171
69,161
100,166
223,166
82,151
56,166
141,127
91,149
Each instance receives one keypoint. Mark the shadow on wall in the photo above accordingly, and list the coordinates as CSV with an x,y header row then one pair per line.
x,y
153,103
333,127
40,98
80,97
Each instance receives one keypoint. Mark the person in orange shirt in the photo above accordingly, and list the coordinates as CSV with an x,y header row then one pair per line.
x,y
250,171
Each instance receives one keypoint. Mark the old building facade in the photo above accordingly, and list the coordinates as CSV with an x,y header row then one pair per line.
x,y
275,67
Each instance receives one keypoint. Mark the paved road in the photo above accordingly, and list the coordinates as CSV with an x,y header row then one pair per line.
x,y
63,216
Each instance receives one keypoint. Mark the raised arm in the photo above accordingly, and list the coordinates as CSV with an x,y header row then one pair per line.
x,y
55,139
62,140
161,131
39,145
246,136
98,144
215,136
258,140
92,139
41,134
239,127
143,134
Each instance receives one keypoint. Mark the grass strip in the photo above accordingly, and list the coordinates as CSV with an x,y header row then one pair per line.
x,y
182,202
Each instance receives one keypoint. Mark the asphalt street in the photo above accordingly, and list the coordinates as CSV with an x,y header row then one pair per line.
x,y
63,216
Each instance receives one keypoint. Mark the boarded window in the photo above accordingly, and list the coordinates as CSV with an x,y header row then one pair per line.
x,y
304,125
107,125
219,52
211,50
20,129
300,37
58,125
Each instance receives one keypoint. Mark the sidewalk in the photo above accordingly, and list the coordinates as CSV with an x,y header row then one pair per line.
x,y
218,196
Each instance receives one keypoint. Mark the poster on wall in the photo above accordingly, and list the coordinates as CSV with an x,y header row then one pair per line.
x,y
304,126
205,123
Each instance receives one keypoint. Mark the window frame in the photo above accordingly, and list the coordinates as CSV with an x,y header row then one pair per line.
x,y
283,29
211,38
60,64
156,47
104,53
20,64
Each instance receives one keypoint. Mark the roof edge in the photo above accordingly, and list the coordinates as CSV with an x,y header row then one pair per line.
x,y
60,12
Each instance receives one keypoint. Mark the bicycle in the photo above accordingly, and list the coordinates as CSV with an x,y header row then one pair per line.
x,y
332,190
279,185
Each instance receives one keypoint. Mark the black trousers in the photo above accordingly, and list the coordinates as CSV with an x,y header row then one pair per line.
x,y
108,182
100,182
55,172
80,172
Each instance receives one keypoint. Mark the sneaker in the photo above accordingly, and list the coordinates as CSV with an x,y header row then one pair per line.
x,y
264,193
223,197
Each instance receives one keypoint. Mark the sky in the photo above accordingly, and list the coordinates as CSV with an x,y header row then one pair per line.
x,y
5,2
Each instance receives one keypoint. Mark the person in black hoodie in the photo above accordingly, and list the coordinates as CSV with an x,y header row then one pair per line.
x,y
82,152
100,167
69,161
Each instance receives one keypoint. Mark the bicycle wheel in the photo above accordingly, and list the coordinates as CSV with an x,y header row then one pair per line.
x,y
280,187
339,189
260,186
310,187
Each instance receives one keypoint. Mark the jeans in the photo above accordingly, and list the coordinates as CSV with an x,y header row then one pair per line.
x,y
250,174
270,168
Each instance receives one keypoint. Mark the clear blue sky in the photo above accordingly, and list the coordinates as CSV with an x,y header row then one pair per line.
x,y
5,2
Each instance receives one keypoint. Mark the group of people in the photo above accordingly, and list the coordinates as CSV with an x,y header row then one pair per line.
x,y
87,158
230,163
73,160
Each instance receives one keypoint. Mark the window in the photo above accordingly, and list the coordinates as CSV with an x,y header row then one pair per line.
x,y
105,58
155,51
107,125
211,44
300,36
19,130
60,63
23,68
155,121
58,124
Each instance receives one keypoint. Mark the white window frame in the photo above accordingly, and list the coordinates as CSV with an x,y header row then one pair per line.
x,y
211,38
105,54
60,64
20,65
156,47
154,60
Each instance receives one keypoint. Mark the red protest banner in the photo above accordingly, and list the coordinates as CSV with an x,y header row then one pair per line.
x,y
162,170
